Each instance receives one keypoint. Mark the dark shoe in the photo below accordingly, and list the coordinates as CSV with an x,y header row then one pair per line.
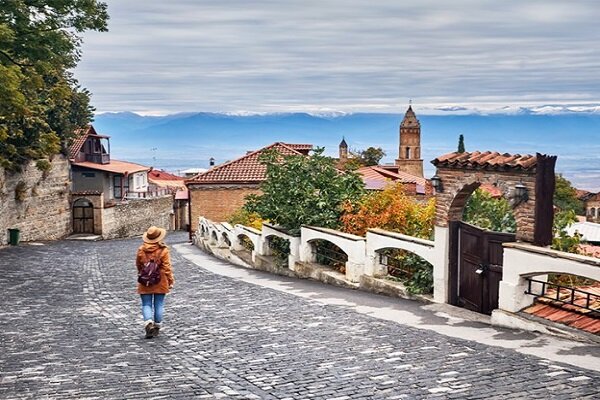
x,y
155,330
149,330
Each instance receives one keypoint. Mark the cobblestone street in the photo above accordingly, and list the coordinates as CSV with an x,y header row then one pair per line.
x,y
71,328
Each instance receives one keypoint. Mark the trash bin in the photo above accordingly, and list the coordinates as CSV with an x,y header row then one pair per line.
x,y
13,236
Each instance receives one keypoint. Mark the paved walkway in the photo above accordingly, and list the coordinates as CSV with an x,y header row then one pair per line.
x,y
70,328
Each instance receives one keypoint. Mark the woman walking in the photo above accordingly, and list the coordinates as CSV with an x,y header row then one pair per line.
x,y
154,253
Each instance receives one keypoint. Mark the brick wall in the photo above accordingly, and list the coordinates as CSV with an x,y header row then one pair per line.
x,y
217,203
459,184
136,216
44,213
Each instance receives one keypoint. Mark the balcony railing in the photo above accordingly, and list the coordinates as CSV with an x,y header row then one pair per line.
x,y
150,193
98,158
565,295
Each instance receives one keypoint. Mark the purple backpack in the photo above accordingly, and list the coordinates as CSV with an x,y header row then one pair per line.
x,y
150,273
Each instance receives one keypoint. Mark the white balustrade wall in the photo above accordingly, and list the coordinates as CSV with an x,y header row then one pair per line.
x,y
520,260
524,261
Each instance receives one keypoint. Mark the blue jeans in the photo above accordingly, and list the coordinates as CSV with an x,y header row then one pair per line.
x,y
150,301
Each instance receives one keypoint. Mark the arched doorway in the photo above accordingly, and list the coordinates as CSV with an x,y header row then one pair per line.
x,y
83,216
475,255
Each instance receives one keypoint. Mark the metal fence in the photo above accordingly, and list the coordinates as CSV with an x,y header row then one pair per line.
x,y
397,267
565,295
327,253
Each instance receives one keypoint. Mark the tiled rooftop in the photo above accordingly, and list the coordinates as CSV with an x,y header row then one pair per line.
x,y
486,160
492,190
115,166
160,175
575,317
79,137
248,168
374,176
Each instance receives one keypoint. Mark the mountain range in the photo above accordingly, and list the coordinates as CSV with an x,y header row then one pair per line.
x,y
179,141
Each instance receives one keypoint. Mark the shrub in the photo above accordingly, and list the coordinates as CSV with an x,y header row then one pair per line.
x,y
21,191
390,209
247,218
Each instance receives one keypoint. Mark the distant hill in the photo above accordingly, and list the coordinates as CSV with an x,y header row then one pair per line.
x,y
190,139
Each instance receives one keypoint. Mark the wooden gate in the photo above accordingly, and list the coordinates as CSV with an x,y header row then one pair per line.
x,y
83,216
477,267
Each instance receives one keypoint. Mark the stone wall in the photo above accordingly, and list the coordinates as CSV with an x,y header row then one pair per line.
x,y
136,216
457,186
592,209
218,202
37,203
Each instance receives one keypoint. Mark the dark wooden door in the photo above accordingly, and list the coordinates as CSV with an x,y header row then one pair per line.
x,y
479,272
83,217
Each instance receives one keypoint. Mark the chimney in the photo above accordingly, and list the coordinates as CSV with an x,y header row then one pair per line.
x,y
211,162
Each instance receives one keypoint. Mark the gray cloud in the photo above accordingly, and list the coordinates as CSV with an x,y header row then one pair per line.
x,y
347,55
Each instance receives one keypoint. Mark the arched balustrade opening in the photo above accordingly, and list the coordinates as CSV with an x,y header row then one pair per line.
x,y
404,266
279,248
328,254
226,239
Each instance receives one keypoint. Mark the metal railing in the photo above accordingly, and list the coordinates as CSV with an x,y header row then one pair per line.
x,y
147,194
98,158
396,267
566,295
329,254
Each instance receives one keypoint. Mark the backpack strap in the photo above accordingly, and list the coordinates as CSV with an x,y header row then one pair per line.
x,y
157,258
152,256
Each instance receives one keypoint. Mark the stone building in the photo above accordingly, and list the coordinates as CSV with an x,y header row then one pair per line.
x,y
592,208
112,198
220,191
409,152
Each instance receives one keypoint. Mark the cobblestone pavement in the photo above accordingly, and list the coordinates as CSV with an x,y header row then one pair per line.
x,y
71,329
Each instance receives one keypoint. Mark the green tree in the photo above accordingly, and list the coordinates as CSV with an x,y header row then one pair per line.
x,y
41,103
371,156
489,213
301,190
565,196
562,240
461,144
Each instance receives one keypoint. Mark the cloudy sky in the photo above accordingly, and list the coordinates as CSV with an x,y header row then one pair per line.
x,y
343,55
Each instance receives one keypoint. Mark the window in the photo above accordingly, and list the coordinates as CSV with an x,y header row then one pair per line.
x,y
121,186
88,174
97,147
408,152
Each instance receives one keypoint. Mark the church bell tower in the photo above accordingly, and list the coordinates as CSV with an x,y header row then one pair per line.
x,y
409,154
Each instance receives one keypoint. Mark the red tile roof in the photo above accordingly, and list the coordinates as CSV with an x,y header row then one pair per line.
x,y
590,250
160,175
165,179
115,166
248,168
79,137
486,160
582,194
376,177
493,191
567,314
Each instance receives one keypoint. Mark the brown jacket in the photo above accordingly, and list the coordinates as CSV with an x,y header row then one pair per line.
x,y
167,279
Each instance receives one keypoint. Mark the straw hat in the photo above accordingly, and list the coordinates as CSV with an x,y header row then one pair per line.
x,y
154,234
